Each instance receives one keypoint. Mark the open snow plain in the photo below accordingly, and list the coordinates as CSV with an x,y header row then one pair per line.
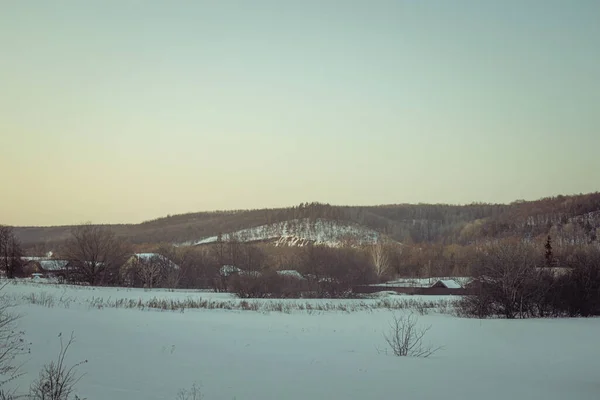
x,y
141,353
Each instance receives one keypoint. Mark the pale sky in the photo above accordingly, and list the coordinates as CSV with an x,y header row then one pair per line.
x,y
123,111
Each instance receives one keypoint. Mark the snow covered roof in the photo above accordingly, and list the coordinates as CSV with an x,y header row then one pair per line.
x,y
227,270
53,265
448,283
48,264
147,256
150,256
291,273
33,258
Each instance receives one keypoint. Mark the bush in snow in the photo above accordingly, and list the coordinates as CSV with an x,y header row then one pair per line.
x,y
190,394
405,338
12,344
57,380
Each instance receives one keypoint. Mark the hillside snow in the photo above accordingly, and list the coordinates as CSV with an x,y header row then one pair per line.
x,y
301,232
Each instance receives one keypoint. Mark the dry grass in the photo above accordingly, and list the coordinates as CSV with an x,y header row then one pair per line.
x,y
260,305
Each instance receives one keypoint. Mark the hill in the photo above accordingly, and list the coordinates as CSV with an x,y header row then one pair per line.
x,y
569,218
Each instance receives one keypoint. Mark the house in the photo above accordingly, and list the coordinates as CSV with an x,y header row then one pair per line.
x,y
227,270
291,273
152,257
447,284
442,287
46,267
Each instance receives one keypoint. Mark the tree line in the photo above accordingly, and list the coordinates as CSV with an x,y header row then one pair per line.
x,y
515,279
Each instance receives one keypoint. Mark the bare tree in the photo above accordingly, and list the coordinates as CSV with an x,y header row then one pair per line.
x,y
149,270
171,261
12,343
219,249
509,282
252,257
197,267
172,278
57,380
405,338
380,259
96,252
10,251
234,247
508,269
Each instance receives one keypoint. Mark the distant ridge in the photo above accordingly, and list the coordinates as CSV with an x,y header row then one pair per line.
x,y
572,218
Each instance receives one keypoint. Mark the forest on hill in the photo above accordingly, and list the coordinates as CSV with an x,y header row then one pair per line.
x,y
376,243
572,218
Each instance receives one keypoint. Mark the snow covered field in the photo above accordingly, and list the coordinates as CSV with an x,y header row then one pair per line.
x,y
134,354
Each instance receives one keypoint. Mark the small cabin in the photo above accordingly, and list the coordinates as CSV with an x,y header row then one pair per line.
x,y
447,284
44,267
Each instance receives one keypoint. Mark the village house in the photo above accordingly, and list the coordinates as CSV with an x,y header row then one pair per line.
x,y
45,267
440,287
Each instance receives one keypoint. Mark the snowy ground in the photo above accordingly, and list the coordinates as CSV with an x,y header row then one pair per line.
x,y
241,355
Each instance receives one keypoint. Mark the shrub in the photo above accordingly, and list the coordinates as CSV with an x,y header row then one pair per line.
x,y
57,380
193,393
405,338
12,343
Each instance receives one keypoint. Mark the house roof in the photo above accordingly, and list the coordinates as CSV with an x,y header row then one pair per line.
x,y
449,283
227,270
53,265
48,264
33,258
147,256
150,256
291,273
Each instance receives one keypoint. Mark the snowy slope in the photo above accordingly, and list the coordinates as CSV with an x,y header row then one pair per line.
x,y
150,355
301,232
